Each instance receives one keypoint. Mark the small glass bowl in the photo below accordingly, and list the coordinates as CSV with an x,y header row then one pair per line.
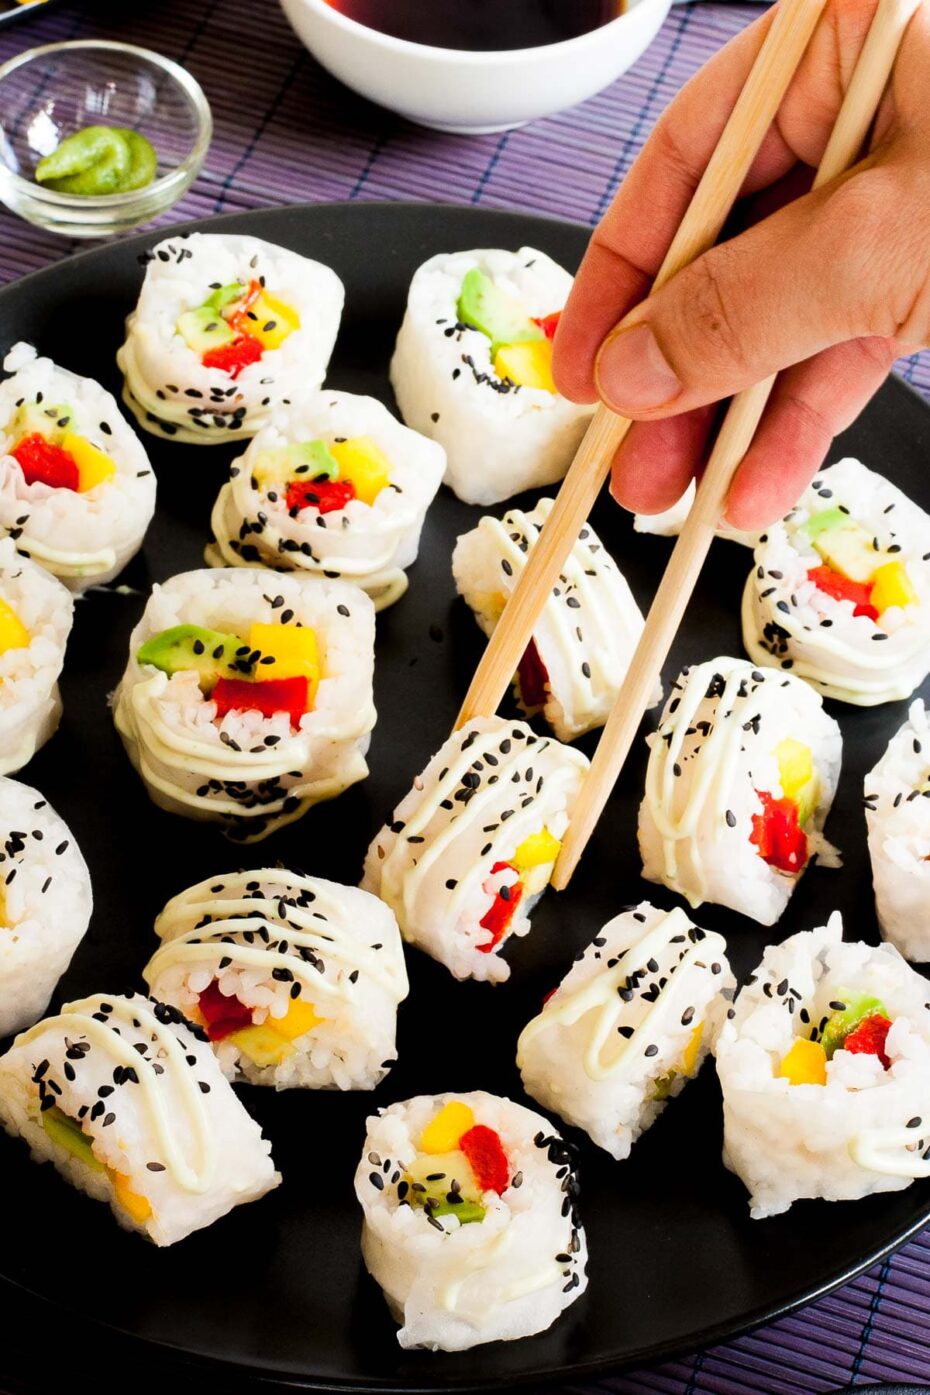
x,y
48,93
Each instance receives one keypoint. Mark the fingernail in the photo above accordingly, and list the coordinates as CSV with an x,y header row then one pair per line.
x,y
633,375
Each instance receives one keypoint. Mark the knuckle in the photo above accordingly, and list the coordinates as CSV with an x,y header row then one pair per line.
x,y
711,325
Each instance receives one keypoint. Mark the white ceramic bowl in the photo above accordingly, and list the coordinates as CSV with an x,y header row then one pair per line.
x,y
464,91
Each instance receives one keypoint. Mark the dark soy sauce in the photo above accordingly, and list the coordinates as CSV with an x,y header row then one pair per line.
x,y
482,24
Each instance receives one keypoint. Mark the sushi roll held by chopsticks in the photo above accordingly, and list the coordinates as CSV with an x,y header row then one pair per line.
x,y
471,1220
629,1025
296,980
36,613
247,696
226,329
335,487
824,1062
897,811
741,776
471,848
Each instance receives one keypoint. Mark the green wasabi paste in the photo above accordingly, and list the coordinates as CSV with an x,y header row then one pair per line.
x,y
99,160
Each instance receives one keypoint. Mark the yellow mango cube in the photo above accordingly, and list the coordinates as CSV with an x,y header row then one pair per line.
x,y
299,1019
13,633
274,320
795,766
94,467
891,585
805,1063
527,365
263,1045
361,460
538,850
692,1050
295,652
442,1134
138,1207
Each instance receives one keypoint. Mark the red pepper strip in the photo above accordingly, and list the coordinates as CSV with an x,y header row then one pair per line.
x,y
842,589
275,695
236,315
43,463
325,495
533,678
781,840
222,1015
232,358
548,323
502,910
551,994
488,1161
869,1037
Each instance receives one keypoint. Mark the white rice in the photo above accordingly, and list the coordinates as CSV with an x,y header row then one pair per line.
x,y
30,703
897,811
369,544
491,785
867,1130
669,523
507,1276
609,1046
166,384
45,905
261,934
588,629
83,538
249,772
789,623
499,439
166,1119
711,756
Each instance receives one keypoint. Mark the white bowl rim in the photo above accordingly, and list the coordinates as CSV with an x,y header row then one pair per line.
x,y
159,191
472,58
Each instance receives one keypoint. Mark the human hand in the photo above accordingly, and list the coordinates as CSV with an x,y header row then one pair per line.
x,y
831,288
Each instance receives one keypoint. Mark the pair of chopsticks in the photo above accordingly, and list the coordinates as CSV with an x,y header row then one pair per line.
x,y
784,46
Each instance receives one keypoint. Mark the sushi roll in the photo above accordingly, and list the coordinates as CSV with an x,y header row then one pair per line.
x,y
840,590
629,1025
36,614
247,696
295,979
45,903
472,369
77,491
669,523
471,1223
577,659
824,1063
897,812
335,486
128,1102
226,330
469,851
741,776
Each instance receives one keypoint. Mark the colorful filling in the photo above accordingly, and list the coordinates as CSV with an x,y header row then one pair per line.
x,y
324,476
533,862
13,633
49,453
457,1162
521,346
266,1043
532,678
853,569
276,669
778,832
860,1026
68,1134
236,325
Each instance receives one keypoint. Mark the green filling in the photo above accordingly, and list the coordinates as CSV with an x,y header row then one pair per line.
x,y
841,1023
481,305
307,460
191,647
68,1134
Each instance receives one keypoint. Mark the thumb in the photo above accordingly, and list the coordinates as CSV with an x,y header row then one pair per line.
x,y
798,282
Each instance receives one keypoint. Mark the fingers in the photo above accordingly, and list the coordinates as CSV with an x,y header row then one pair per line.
x,y
657,460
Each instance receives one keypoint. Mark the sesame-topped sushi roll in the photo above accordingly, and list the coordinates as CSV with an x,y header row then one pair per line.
x,y
36,613
295,979
128,1102
227,329
471,1220
77,491
334,486
824,1062
247,696
473,369
897,811
741,776
629,1025
471,848
577,658
45,903
840,590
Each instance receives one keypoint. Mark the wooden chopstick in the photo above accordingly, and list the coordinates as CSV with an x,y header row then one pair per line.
x,y
856,115
792,26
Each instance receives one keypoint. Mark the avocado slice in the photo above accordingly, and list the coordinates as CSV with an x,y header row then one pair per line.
x,y
430,1178
482,305
309,460
204,329
43,418
841,1023
843,544
225,295
68,1134
208,652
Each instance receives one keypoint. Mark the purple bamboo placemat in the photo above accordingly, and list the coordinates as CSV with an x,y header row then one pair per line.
x,y
287,133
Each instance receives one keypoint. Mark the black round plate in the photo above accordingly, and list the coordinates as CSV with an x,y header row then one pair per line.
x,y
278,1289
